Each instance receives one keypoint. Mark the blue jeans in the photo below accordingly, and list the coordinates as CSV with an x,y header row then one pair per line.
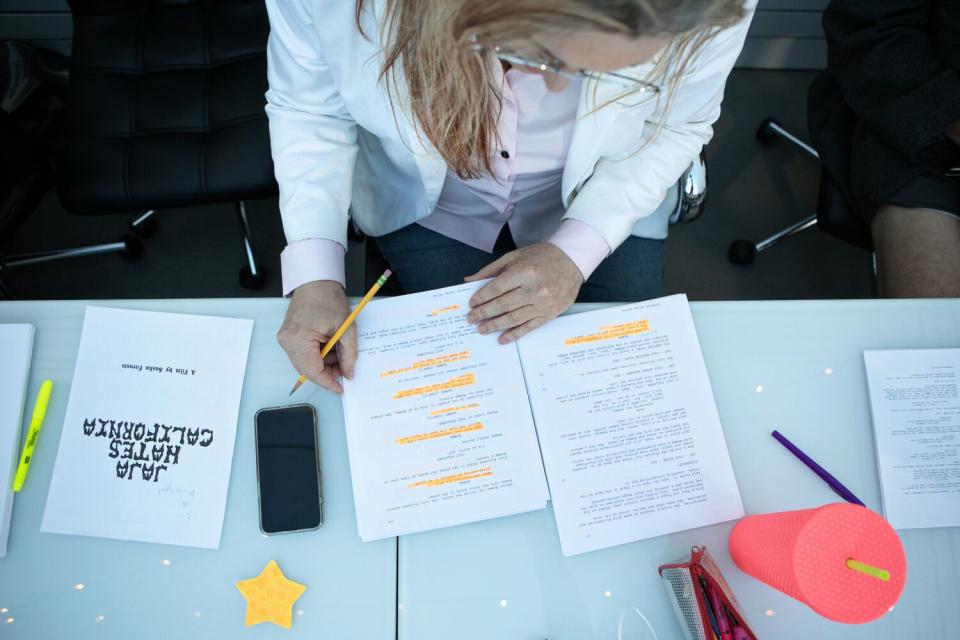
x,y
423,259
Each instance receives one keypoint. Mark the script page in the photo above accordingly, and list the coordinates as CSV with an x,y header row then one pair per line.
x,y
630,435
915,399
439,430
147,442
16,348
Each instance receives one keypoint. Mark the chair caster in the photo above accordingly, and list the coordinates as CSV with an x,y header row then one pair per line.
x,y
765,133
250,281
132,248
144,229
742,252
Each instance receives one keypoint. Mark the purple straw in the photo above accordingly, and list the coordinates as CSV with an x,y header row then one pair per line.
x,y
835,484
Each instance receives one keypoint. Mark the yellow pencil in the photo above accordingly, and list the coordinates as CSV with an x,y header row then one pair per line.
x,y
332,342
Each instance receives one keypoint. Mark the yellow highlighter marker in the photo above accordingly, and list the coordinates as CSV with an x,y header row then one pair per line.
x,y
39,412
331,343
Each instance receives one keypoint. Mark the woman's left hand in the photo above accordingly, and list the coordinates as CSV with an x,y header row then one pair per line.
x,y
530,286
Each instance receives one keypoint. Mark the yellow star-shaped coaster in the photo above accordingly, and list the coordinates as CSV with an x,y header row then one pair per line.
x,y
270,597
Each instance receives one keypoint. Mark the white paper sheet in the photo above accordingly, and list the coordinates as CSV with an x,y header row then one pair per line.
x,y
16,347
147,443
915,399
629,431
439,429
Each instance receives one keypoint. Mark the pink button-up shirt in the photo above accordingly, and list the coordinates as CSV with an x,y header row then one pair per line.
x,y
524,191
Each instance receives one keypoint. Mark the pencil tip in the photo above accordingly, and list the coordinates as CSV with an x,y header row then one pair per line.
x,y
295,387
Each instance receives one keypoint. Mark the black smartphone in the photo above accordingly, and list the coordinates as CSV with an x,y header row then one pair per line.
x,y
288,469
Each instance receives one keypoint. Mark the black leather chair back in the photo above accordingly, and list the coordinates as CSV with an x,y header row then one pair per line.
x,y
24,176
165,105
92,7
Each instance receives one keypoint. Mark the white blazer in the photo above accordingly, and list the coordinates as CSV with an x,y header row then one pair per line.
x,y
339,148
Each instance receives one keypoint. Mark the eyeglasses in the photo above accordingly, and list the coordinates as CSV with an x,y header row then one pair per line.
x,y
556,66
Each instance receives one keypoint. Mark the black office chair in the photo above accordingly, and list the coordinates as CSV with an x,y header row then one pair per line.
x,y
31,89
165,108
833,214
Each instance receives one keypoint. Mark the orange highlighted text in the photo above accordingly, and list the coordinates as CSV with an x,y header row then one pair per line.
x,y
429,362
457,477
440,433
464,380
611,332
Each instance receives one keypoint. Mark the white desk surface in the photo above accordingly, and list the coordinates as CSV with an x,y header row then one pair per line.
x,y
454,582
350,585
506,578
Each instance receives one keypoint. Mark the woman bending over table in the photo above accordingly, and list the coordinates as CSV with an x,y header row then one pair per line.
x,y
527,141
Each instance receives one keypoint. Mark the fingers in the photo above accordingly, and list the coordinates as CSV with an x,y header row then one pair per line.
x,y
508,320
493,269
504,283
347,352
518,332
498,306
314,313
313,366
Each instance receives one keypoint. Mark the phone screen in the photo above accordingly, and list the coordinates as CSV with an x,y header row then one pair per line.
x,y
288,469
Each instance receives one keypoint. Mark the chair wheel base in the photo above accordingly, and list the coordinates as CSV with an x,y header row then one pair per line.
x,y
132,249
250,281
742,252
146,228
765,132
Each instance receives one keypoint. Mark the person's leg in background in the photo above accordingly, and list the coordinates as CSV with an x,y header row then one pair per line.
x,y
918,252
633,272
423,259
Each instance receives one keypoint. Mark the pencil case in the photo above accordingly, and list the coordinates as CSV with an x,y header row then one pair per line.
x,y
695,589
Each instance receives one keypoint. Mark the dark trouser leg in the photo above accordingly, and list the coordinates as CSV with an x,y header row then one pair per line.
x,y
423,259
633,272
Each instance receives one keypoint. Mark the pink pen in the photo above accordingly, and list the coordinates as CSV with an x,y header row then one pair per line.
x,y
725,632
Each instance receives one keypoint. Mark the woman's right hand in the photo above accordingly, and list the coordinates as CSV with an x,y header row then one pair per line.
x,y
316,311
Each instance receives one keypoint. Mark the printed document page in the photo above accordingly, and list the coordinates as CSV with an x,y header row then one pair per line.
x,y
147,442
915,399
16,348
439,429
629,431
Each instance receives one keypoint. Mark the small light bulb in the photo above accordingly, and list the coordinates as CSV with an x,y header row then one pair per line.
x,y
503,603
166,562
770,613
10,620
79,586
196,614
100,618
4,609
607,593
828,371
299,612
759,388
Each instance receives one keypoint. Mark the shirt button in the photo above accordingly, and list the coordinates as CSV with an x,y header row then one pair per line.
x,y
505,154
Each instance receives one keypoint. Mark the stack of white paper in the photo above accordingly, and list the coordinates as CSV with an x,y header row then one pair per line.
x,y
16,347
628,427
439,429
147,443
915,399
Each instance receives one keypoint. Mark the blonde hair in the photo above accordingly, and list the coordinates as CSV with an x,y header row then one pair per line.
x,y
451,91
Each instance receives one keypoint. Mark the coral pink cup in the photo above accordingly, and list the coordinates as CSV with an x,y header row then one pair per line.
x,y
804,554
